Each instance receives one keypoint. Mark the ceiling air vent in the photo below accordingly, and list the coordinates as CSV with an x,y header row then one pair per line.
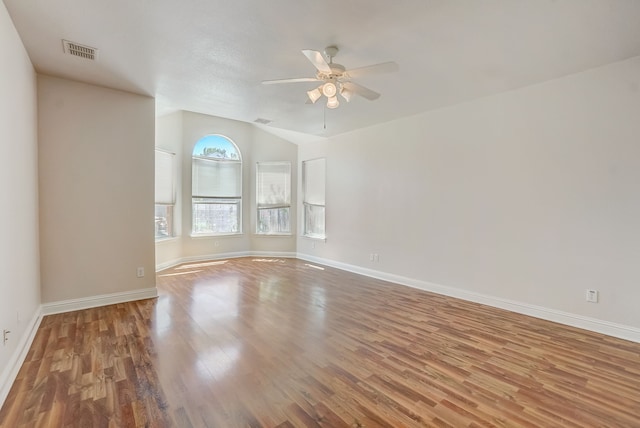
x,y
263,121
82,51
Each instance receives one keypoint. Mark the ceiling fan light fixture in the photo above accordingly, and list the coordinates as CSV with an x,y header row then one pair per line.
x,y
329,89
335,79
314,94
332,102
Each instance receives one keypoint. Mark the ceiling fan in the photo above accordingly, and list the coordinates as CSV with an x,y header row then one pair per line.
x,y
336,79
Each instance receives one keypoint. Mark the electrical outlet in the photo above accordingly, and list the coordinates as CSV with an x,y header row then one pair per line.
x,y
140,272
376,257
592,296
5,336
371,258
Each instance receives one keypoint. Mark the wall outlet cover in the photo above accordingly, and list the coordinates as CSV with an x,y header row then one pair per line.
x,y
592,296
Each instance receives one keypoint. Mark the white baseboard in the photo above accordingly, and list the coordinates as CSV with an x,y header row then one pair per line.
x,y
592,324
222,256
9,373
100,300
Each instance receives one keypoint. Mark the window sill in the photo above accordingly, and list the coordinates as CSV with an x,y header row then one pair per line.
x,y
273,235
314,238
214,235
168,239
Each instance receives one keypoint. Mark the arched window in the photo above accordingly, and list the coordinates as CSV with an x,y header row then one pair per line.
x,y
216,187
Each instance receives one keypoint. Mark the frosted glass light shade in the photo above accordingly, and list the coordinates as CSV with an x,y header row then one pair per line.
x,y
314,94
346,94
329,90
333,102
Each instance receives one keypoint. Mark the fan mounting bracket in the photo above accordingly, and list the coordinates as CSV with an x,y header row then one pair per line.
x,y
331,51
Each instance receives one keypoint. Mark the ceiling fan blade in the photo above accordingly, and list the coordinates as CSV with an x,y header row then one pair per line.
x,y
317,60
361,90
385,67
292,80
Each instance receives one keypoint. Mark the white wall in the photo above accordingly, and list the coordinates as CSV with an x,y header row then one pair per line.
x,y
19,259
96,163
530,196
255,146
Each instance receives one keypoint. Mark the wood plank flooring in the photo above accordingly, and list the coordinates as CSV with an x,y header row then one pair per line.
x,y
257,342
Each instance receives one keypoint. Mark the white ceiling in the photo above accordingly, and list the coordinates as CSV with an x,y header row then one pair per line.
x,y
210,56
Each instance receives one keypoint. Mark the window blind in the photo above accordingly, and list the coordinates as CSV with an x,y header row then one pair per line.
x,y
216,178
273,184
313,175
165,171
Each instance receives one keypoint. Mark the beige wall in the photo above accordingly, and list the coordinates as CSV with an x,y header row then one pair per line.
x,y
530,196
19,260
96,163
255,146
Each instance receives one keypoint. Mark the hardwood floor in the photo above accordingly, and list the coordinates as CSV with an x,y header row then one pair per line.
x,y
283,343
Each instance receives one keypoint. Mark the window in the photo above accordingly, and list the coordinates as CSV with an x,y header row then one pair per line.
x,y
216,187
273,198
313,182
165,194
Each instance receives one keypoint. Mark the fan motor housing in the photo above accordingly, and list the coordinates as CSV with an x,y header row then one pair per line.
x,y
337,70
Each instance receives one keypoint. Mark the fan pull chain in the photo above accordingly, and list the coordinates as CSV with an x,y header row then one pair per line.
x,y
324,117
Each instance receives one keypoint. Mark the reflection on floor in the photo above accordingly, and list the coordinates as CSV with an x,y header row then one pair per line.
x,y
281,342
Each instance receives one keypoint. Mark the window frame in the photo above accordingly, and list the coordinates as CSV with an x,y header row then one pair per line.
x,y
168,188
220,200
283,205
308,205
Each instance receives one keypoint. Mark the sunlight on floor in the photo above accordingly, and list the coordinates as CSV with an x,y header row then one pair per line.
x,y
314,266
196,265
180,273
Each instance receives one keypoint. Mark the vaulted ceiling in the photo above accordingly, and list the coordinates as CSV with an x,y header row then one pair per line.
x,y
210,56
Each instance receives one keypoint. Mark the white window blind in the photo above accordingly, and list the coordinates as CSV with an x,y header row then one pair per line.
x,y
314,181
216,178
164,186
313,178
273,198
273,184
